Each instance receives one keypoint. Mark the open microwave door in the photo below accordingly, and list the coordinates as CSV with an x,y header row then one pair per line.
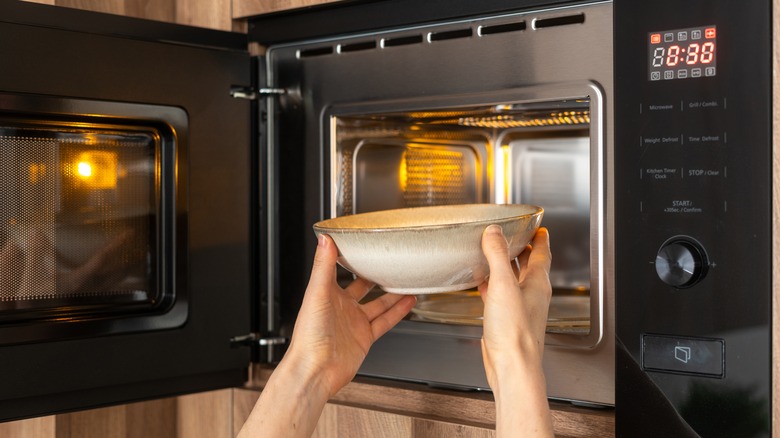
x,y
126,210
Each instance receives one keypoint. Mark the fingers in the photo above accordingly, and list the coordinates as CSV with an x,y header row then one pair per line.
x,y
522,259
540,256
379,305
399,306
519,263
483,289
323,270
536,275
496,250
359,288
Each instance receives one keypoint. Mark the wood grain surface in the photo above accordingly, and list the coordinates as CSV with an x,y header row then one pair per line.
x,y
458,413
247,8
212,14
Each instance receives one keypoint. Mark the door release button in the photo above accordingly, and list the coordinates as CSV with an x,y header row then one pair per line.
x,y
676,354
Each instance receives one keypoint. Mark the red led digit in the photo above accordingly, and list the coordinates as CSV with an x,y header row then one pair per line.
x,y
693,54
707,52
672,58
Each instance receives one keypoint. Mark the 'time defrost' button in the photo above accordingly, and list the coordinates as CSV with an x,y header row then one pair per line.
x,y
685,355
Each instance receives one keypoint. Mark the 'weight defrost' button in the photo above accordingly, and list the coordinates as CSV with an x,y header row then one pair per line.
x,y
676,354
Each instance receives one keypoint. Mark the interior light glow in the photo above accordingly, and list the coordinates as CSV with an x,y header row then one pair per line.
x,y
97,169
84,169
36,172
403,174
502,175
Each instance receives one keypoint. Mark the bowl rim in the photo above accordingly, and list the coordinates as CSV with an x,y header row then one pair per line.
x,y
322,228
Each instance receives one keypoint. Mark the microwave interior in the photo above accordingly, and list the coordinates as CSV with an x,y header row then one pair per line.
x,y
523,152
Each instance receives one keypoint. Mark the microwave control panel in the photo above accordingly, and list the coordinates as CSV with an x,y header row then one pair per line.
x,y
693,174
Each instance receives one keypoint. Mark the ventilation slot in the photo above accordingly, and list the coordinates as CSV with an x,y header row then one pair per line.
x,y
356,47
502,28
540,23
317,51
449,35
402,41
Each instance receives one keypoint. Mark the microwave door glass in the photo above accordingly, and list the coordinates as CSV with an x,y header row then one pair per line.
x,y
77,224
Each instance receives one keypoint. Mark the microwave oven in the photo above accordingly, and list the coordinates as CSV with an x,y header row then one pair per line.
x,y
160,183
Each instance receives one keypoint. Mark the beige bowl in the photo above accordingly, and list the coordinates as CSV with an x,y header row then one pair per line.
x,y
427,249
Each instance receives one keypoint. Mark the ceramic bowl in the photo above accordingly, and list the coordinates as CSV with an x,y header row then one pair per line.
x,y
426,250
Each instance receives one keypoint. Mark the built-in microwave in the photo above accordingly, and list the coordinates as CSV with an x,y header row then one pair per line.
x,y
197,170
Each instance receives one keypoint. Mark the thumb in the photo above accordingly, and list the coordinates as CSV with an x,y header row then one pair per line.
x,y
323,270
496,250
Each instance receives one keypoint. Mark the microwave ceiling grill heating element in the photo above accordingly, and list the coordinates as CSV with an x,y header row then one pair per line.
x,y
554,119
493,117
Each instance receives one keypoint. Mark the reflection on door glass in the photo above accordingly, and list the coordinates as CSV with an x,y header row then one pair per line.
x,y
77,221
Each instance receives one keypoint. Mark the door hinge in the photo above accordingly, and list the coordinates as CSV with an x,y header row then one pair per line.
x,y
251,93
255,339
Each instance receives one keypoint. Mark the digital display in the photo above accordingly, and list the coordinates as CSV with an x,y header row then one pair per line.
x,y
682,53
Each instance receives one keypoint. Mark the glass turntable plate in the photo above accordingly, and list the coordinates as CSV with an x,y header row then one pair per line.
x,y
567,312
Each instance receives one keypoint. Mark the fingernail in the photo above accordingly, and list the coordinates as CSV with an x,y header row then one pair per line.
x,y
322,242
494,229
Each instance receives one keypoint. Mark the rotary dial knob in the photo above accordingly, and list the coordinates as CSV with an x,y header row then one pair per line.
x,y
681,262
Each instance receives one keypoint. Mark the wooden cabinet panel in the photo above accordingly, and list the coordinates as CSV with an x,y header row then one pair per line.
x,y
106,422
340,420
439,429
152,419
162,10
205,415
215,14
243,402
220,414
112,7
202,415
212,14
351,421
156,418
328,425
246,8
431,412
44,427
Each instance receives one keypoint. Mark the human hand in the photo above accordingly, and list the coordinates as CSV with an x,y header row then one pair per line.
x,y
330,339
515,316
514,323
334,332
